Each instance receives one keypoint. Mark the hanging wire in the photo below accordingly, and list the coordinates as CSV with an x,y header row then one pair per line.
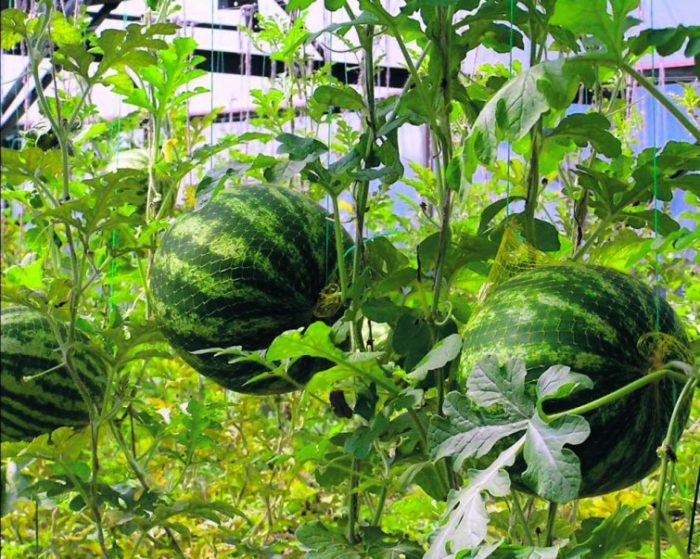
x,y
328,160
211,85
657,286
510,77
116,138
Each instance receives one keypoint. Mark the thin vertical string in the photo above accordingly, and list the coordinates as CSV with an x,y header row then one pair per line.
x,y
510,77
211,84
328,160
657,264
113,266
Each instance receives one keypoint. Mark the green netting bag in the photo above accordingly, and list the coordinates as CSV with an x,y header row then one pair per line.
x,y
601,323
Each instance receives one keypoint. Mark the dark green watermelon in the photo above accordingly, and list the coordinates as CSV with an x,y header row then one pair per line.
x,y
247,266
589,318
31,407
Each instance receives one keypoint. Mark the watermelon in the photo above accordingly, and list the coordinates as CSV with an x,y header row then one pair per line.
x,y
589,318
44,403
247,266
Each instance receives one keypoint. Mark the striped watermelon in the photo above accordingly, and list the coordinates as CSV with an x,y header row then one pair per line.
x,y
589,318
238,272
32,407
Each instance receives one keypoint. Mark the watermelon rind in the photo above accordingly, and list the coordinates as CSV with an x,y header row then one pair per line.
x,y
591,319
239,271
32,406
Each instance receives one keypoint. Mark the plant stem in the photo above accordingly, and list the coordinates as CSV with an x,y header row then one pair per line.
x,y
362,193
533,175
442,136
551,517
523,521
407,85
533,183
581,209
596,232
694,509
619,393
668,445
137,543
379,510
661,98
390,23
442,249
675,539
340,250
354,501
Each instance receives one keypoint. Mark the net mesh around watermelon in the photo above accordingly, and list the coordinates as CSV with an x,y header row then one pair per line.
x,y
254,262
600,322
515,256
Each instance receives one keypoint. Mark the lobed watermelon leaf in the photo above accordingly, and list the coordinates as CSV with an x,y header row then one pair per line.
x,y
467,523
506,408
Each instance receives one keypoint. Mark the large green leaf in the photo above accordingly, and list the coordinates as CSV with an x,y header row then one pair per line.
x,y
299,147
666,41
605,538
468,519
441,354
656,220
518,105
588,128
343,97
554,472
506,408
593,18
13,27
492,210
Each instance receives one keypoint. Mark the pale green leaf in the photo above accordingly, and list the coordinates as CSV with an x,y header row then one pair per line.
x,y
465,433
29,275
489,385
467,522
517,106
441,354
559,382
554,472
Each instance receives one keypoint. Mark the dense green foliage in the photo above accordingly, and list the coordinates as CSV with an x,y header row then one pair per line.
x,y
594,320
38,393
391,451
251,264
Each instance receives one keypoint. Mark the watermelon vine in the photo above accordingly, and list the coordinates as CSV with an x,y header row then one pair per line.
x,y
288,343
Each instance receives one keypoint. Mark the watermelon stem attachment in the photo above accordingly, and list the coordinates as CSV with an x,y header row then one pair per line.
x,y
616,394
669,442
